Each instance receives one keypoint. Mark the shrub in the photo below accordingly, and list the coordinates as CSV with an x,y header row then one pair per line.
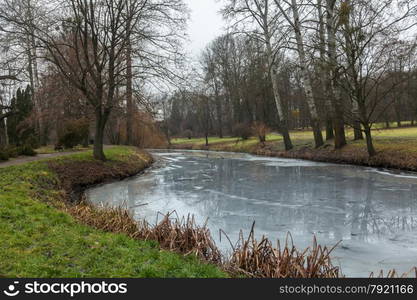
x,y
27,150
69,140
75,132
58,147
32,141
242,131
188,134
12,151
261,130
4,155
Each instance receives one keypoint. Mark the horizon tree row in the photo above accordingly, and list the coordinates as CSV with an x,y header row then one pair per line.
x,y
321,64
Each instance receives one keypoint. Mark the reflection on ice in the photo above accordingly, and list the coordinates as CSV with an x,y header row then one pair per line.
x,y
373,212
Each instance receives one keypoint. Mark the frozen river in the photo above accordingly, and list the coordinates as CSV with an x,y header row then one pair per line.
x,y
373,212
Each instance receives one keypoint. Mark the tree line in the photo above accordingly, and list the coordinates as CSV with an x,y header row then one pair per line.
x,y
90,66
326,65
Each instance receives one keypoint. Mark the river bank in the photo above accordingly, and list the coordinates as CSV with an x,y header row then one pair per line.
x,y
368,213
397,149
45,233
48,231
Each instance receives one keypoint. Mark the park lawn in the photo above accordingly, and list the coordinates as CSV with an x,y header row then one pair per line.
x,y
396,148
400,139
51,149
39,239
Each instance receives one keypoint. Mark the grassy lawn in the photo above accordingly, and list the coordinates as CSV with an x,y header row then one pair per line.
x,y
51,149
38,239
395,139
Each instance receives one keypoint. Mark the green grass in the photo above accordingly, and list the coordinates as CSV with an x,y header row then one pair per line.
x,y
51,149
394,139
39,240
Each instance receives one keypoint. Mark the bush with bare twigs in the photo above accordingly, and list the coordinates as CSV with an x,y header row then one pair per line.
x,y
261,130
242,131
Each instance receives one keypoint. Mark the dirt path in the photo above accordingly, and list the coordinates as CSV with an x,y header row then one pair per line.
x,y
25,159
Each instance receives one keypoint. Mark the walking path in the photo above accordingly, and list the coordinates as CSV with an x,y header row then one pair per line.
x,y
25,159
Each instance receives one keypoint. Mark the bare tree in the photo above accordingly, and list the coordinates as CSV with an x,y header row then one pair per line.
x,y
18,21
86,49
89,42
154,47
369,41
267,28
296,25
333,76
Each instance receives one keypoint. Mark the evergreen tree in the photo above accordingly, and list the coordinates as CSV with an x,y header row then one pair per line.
x,y
22,106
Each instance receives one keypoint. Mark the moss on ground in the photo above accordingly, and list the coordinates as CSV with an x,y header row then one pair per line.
x,y
39,239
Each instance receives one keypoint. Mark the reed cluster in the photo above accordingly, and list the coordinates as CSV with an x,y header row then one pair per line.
x,y
249,258
260,259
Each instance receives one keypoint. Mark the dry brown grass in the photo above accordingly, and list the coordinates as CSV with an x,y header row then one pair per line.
x,y
395,274
249,258
183,236
173,234
349,155
260,259
115,220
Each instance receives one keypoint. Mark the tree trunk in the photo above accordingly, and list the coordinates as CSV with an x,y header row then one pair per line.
x,y
86,141
34,74
324,79
306,81
99,136
357,131
129,87
369,141
219,110
282,119
329,129
339,127
4,141
387,123
334,92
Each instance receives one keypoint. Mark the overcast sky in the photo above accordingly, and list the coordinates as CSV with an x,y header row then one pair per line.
x,y
206,23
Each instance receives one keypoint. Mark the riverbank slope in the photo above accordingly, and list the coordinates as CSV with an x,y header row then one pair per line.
x,y
44,233
397,148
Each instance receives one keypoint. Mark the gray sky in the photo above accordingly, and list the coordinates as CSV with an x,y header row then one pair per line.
x,y
205,24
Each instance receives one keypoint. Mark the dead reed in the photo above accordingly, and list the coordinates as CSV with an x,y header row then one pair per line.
x,y
182,236
262,260
249,258
115,220
394,274
172,233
